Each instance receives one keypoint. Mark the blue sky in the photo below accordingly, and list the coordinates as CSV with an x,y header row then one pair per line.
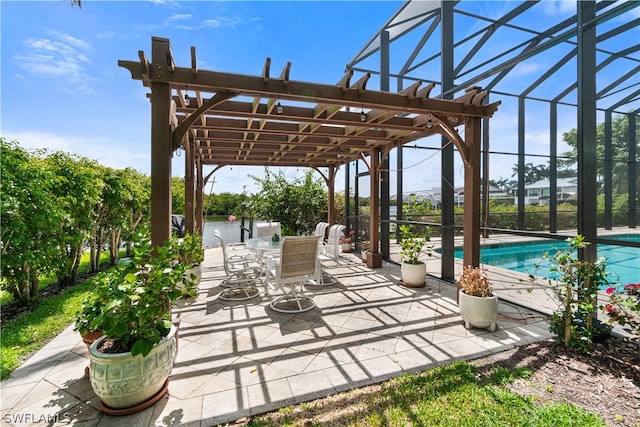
x,y
62,88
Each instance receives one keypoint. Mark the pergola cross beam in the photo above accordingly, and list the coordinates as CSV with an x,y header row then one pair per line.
x,y
316,130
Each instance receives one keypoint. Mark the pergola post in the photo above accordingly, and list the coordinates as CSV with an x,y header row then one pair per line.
x,y
472,195
189,188
374,257
331,207
161,149
199,197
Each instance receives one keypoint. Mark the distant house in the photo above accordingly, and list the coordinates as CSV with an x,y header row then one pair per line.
x,y
434,196
494,194
539,192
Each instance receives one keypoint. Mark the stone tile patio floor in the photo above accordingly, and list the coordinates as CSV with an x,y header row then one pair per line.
x,y
241,359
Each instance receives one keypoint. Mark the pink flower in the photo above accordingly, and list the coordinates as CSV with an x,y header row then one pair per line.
x,y
610,291
232,217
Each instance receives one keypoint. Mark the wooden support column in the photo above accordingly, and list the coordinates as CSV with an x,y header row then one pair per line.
x,y
331,208
189,187
374,257
199,214
471,221
161,149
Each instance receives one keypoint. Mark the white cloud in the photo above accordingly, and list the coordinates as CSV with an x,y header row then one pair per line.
x,y
222,21
107,34
179,16
559,7
55,58
526,68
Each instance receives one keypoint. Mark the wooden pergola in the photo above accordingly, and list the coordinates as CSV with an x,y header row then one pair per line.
x,y
224,119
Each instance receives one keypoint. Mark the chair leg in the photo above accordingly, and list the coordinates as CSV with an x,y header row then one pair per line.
x,y
292,296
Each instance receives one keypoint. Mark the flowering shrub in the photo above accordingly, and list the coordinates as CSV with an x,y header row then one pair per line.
x,y
232,217
624,307
576,287
348,239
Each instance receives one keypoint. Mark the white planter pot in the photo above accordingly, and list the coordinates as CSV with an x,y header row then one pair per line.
x,y
479,312
364,256
413,275
123,381
346,247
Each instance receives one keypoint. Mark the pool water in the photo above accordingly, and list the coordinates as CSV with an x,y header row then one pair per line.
x,y
623,263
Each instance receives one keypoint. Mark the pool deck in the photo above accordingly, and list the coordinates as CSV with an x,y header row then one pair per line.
x,y
237,360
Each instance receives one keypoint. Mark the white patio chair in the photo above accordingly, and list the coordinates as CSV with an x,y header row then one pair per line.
x,y
331,250
298,263
268,229
321,230
241,271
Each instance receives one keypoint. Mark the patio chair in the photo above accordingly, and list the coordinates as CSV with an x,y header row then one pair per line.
x,y
268,229
331,250
241,271
321,230
298,263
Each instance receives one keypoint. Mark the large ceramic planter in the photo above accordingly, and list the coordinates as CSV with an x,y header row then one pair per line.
x,y
413,275
479,312
125,381
346,247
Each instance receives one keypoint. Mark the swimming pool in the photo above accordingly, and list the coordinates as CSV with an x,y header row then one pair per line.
x,y
623,263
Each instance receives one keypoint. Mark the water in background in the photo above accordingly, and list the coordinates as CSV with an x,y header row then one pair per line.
x,y
230,232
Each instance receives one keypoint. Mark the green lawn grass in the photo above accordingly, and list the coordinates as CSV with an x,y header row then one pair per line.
x,y
50,316
452,395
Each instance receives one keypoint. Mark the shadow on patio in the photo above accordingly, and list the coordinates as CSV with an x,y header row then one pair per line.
x,y
241,359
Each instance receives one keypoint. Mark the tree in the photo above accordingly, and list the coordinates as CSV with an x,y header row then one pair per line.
x,y
532,173
619,148
178,201
299,206
30,211
77,187
138,204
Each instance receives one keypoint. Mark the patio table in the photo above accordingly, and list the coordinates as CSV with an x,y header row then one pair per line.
x,y
263,246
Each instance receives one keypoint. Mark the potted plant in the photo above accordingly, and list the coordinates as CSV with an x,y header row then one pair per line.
x,y
131,362
478,304
412,245
91,308
364,250
347,240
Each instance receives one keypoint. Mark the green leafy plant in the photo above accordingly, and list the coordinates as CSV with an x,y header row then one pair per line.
x,y
132,302
474,281
189,249
412,245
576,287
624,307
